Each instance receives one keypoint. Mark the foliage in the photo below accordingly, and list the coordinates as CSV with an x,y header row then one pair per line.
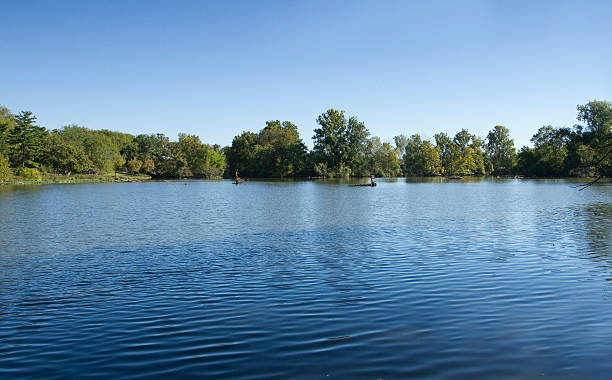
x,y
148,165
384,160
548,155
500,149
30,173
134,165
342,144
276,151
463,155
421,158
598,118
5,170
100,147
342,147
7,125
26,141
63,156
200,160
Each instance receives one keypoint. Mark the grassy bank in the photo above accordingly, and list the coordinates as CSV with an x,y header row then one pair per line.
x,y
77,178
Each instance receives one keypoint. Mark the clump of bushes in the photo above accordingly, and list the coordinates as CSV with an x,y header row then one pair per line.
x,y
30,173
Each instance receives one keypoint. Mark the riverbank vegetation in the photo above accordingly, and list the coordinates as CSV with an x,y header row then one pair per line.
x,y
342,147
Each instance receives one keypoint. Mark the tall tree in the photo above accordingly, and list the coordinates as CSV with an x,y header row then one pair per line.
x,y
470,159
421,158
26,140
201,160
64,156
449,153
598,117
7,124
550,152
241,155
5,170
340,144
500,148
281,152
330,139
357,147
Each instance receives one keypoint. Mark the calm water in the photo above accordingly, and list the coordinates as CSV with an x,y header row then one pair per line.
x,y
434,279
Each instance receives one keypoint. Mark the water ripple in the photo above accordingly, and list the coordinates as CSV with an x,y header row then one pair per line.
x,y
300,280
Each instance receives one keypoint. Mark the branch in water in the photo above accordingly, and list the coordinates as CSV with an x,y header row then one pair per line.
x,y
585,185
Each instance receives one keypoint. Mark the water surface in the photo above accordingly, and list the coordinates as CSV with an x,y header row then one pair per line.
x,y
280,279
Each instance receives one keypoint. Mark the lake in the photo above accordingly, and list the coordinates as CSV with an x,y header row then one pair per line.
x,y
307,279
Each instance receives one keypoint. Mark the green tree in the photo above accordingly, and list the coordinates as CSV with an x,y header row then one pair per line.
x,y
421,158
282,153
598,118
26,141
99,146
525,161
330,139
134,165
7,125
276,151
384,161
148,165
64,156
500,148
241,155
449,153
153,150
463,155
202,161
357,148
5,170
341,144
550,146
470,157
215,162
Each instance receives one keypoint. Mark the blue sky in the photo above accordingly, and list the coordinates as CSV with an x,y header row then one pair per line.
x,y
216,69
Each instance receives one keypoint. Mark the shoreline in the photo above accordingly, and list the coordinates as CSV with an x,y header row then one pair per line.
x,y
125,178
76,179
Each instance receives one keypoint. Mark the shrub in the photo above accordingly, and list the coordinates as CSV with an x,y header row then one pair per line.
x,y
147,166
30,173
134,165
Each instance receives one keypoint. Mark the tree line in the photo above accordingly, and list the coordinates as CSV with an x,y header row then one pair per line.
x,y
342,147
29,150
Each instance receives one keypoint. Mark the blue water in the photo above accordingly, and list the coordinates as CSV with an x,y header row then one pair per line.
x,y
273,279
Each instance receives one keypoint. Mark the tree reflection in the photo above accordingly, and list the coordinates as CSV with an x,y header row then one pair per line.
x,y
598,231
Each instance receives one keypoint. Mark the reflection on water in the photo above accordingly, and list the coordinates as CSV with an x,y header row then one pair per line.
x,y
308,279
598,231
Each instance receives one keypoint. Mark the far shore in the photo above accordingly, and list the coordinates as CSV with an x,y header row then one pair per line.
x,y
123,178
77,178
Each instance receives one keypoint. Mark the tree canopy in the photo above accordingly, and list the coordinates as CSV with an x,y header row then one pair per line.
x,y
342,146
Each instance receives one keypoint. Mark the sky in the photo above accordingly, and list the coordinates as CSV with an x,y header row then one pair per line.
x,y
218,68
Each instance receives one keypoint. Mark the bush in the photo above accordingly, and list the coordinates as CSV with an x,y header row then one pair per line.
x,y
134,165
30,173
5,171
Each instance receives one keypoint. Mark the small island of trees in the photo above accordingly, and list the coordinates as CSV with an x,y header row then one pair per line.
x,y
342,147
